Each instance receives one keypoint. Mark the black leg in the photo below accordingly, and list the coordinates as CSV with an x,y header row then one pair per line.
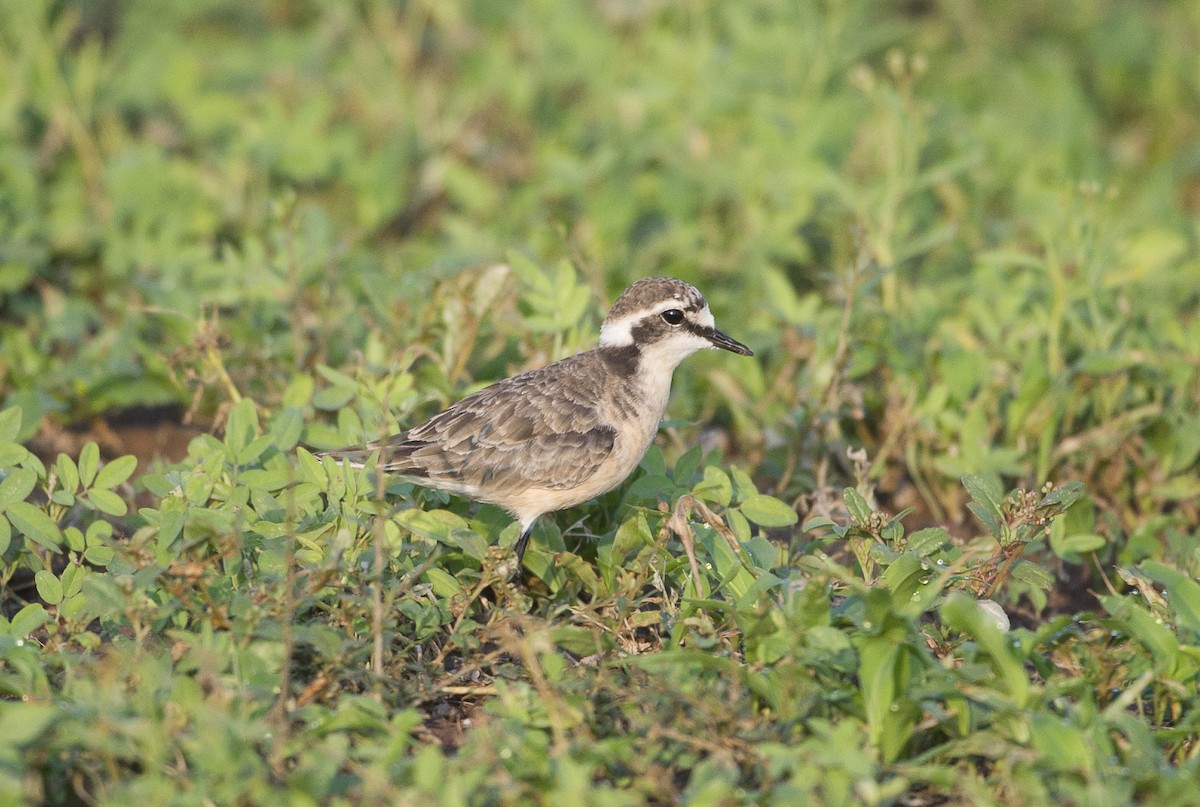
x,y
523,542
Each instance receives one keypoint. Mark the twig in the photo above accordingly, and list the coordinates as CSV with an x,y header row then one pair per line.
x,y
377,535
521,646
287,614
486,689
678,523
843,342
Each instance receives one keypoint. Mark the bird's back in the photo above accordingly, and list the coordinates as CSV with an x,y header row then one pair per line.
x,y
551,428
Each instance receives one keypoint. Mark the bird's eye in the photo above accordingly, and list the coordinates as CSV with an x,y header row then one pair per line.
x,y
672,316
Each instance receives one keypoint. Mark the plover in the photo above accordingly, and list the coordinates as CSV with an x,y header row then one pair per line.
x,y
555,437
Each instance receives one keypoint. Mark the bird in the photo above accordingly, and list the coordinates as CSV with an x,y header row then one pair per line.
x,y
557,436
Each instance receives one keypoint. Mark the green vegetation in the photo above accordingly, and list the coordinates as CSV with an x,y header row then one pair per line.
x,y
962,239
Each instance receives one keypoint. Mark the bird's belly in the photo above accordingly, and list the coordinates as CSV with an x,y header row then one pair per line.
x,y
632,441
535,501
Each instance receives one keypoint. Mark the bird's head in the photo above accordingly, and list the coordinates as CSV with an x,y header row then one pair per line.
x,y
667,320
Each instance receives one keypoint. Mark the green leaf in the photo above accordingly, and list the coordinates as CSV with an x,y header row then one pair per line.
x,y
74,539
1180,488
1146,629
743,485
1182,592
49,587
1078,518
763,553
286,428
470,542
1061,745
556,298
877,675
72,578
89,464
299,392
731,574
435,524
330,399
686,465
1061,499
964,614
337,379
98,555
115,472
68,473
716,487
987,497
98,532
986,518
72,608
161,485
63,498
927,541
35,525
1071,545
350,427
27,620
10,424
908,576
108,502
273,481
22,723
443,583
241,426
860,511
16,487
13,454
169,528
5,534
354,713
254,450
782,296
1028,572
738,524
309,468
767,511
632,535
105,597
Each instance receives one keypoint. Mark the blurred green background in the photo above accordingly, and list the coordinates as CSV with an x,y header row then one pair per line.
x,y
962,235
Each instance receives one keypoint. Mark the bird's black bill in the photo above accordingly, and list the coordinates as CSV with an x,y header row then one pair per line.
x,y
727,342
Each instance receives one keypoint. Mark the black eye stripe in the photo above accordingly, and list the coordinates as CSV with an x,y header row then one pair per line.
x,y
650,330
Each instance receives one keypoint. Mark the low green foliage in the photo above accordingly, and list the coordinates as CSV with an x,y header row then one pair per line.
x,y
256,643
961,240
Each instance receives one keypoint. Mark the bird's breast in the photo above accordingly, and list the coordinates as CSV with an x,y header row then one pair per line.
x,y
638,410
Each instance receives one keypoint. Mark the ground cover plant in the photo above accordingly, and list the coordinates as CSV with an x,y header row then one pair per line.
x,y
935,544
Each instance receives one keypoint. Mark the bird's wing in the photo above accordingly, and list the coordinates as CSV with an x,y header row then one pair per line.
x,y
540,429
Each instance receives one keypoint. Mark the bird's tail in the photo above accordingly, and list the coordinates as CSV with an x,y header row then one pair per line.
x,y
356,456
